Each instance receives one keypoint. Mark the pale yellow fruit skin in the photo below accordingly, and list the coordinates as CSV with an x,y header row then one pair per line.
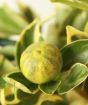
x,y
41,62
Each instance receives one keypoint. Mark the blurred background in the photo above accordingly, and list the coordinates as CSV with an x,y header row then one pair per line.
x,y
52,19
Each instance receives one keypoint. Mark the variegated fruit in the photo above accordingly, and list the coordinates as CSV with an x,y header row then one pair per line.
x,y
41,62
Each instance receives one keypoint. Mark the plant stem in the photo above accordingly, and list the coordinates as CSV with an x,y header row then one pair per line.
x,y
77,4
2,97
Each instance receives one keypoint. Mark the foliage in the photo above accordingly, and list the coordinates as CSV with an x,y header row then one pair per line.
x,y
69,34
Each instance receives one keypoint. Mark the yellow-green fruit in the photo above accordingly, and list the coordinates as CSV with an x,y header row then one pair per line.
x,y
41,62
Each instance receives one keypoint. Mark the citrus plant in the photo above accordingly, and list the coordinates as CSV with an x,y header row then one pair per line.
x,y
38,70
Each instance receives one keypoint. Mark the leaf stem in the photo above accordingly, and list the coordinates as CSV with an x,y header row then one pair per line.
x,y
74,3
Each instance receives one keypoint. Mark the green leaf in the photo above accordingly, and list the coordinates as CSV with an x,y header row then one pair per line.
x,y
54,103
75,34
78,73
21,95
50,87
40,99
6,66
76,52
4,42
26,12
69,19
2,83
48,99
26,38
21,82
8,51
80,20
10,24
28,99
86,27
74,3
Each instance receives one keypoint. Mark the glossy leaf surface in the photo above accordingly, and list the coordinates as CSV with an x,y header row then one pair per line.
x,y
76,52
77,74
21,82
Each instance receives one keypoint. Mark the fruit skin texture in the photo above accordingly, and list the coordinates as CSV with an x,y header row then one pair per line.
x,y
41,62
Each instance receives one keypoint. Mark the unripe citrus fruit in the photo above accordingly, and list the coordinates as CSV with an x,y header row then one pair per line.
x,y
41,62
